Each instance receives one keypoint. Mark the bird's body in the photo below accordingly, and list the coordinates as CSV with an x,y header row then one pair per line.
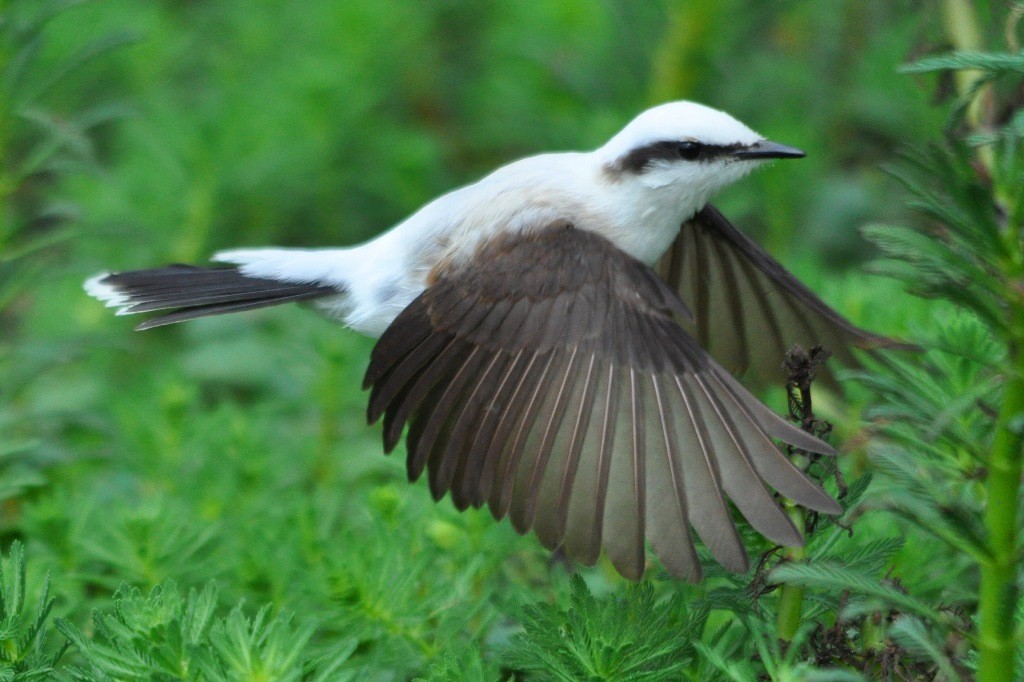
x,y
540,360
380,278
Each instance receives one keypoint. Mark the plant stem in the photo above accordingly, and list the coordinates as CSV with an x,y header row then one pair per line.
x,y
791,601
998,599
963,31
802,366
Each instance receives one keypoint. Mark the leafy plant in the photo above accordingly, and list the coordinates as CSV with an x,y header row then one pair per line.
x,y
954,424
26,649
164,636
41,147
625,637
949,426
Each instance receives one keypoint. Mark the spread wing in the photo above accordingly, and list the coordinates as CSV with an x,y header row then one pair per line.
x,y
748,310
548,379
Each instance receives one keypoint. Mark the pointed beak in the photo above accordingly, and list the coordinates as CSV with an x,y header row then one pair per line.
x,y
765,149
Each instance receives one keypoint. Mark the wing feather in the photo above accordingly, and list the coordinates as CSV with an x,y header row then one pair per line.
x,y
748,310
551,527
548,377
501,496
585,521
624,514
475,485
739,479
667,517
528,482
394,381
504,424
726,325
709,510
430,443
463,423
776,470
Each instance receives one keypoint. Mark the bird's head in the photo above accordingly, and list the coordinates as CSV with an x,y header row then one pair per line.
x,y
687,148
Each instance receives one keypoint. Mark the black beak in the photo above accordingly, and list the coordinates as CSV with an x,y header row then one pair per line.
x,y
766,149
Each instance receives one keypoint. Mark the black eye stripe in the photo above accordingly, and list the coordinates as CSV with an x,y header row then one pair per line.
x,y
642,158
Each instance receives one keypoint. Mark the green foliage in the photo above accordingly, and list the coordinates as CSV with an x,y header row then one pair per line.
x,y
169,637
623,637
955,416
234,451
26,647
39,149
955,263
923,641
40,146
460,665
836,578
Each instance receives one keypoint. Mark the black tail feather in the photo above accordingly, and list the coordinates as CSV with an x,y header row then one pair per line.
x,y
190,292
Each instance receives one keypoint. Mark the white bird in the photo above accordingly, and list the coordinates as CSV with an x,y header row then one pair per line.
x,y
544,367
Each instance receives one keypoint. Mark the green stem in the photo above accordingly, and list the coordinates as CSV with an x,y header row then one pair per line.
x,y
801,365
791,601
963,31
998,599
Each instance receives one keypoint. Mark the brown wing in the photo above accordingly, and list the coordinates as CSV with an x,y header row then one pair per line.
x,y
748,310
548,379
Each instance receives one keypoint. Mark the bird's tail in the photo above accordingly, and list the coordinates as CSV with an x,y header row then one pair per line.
x,y
189,292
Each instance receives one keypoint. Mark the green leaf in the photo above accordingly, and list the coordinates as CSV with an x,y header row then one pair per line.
x,y
736,671
915,637
992,62
869,558
827,575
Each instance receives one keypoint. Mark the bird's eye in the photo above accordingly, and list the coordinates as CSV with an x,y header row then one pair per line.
x,y
688,150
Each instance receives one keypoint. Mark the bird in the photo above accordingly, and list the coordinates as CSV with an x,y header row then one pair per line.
x,y
561,341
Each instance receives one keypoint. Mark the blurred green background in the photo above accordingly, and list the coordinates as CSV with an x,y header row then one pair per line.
x,y
234,449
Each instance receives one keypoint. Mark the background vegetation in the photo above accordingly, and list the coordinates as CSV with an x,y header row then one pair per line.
x,y
206,502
